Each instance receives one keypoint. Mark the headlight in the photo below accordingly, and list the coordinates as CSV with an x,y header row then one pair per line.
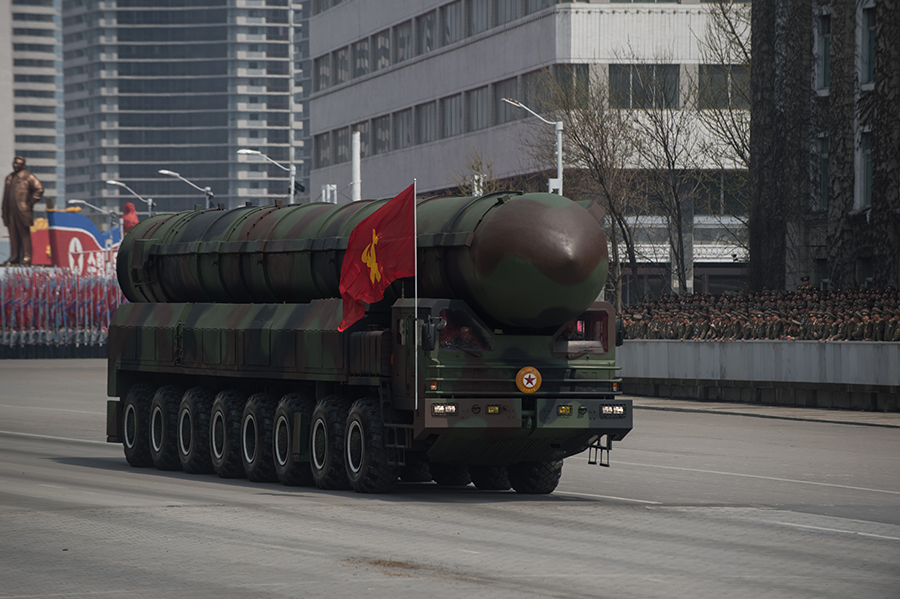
x,y
613,410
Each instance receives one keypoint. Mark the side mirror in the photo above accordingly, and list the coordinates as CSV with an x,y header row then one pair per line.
x,y
431,328
620,332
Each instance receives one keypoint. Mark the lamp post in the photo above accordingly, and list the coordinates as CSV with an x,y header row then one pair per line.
x,y
206,190
559,129
110,214
292,169
148,201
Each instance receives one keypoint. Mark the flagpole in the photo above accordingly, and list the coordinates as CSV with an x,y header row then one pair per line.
x,y
416,293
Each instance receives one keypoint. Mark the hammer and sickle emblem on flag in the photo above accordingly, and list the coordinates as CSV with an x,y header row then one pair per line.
x,y
369,259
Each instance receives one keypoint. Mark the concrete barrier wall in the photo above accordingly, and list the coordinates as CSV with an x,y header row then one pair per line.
x,y
842,363
846,374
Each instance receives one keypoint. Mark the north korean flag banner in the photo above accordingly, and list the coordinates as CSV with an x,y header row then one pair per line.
x,y
381,249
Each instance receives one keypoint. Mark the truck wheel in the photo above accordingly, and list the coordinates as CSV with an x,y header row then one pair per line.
x,y
326,443
225,434
450,475
416,469
535,478
365,456
291,471
136,425
193,430
164,426
490,478
256,438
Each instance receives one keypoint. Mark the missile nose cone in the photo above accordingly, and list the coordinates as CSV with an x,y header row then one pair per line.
x,y
562,242
541,258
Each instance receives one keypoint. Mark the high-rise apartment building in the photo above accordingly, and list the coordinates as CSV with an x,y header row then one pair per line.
x,y
33,98
181,86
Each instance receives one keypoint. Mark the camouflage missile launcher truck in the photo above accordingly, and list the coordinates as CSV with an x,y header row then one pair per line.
x,y
228,357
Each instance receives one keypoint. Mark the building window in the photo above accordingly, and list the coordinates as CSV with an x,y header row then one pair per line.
x,y
479,11
478,108
426,122
426,28
323,150
451,116
323,73
361,58
867,52
866,166
342,145
403,37
507,10
452,20
382,128
643,86
572,77
536,5
505,113
823,52
403,129
382,50
822,160
342,65
724,86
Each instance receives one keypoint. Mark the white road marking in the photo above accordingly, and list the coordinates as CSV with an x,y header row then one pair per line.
x,y
34,436
607,497
784,480
849,532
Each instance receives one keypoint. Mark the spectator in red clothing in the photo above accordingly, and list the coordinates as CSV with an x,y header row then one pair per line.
x,y
130,218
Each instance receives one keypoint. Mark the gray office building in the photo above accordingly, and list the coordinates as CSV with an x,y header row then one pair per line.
x,y
181,86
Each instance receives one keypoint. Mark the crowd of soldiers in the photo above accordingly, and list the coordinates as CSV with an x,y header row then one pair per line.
x,y
806,314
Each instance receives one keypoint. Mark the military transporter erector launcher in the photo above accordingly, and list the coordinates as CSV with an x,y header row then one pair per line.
x,y
228,359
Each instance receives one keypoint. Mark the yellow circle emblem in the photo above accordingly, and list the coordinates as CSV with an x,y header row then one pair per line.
x,y
528,380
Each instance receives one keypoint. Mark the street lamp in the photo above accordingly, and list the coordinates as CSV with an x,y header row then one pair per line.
x,y
559,129
148,201
292,169
206,190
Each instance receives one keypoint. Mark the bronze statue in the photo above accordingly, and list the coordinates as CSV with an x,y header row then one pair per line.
x,y
21,192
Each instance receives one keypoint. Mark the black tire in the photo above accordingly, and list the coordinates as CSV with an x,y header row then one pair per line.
x,y
225,434
535,478
450,475
136,425
326,443
490,478
256,438
365,456
416,469
288,468
193,430
164,427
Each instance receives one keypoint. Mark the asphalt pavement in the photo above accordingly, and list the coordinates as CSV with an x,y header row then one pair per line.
x,y
883,419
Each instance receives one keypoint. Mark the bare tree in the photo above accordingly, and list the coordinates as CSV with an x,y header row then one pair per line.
x,y
476,177
723,103
598,148
668,145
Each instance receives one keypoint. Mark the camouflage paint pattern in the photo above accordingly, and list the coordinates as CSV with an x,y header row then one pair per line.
x,y
533,260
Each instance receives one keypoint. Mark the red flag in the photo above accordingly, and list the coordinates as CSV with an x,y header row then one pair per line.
x,y
380,249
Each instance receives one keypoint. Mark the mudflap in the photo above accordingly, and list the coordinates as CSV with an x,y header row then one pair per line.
x,y
114,421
